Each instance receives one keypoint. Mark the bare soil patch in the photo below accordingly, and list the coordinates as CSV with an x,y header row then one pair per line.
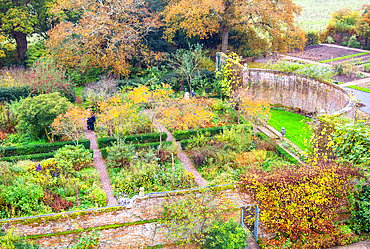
x,y
320,52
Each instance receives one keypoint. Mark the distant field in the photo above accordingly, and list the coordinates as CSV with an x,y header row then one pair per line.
x,y
316,13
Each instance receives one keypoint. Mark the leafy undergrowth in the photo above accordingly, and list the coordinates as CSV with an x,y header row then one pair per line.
x,y
294,124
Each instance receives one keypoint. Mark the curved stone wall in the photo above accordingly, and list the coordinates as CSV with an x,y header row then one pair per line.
x,y
294,90
298,91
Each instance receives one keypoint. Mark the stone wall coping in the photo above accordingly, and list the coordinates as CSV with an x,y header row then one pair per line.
x,y
351,97
119,207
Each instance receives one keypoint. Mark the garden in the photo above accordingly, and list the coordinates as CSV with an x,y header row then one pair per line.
x,y
167,120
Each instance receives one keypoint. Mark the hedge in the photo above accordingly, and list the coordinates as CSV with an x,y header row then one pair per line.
x,y
40,148
40,156
8,94
186,134
36,157
14,93
141,138
155,145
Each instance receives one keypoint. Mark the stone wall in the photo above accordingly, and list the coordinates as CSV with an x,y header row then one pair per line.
x,y
125,226
295,90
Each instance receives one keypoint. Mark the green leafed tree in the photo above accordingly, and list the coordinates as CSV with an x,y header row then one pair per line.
x,y
21,18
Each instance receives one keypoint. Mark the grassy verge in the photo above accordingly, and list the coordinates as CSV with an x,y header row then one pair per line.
x,y
294,124
360,88
344,57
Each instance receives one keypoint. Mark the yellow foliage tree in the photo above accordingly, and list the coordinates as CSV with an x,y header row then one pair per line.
x,y
71,124
263,21
252,108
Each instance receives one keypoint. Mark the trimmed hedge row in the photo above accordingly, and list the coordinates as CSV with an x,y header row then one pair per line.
x,y
155,145
140,138
33,157
18,92
40,148
14,93
186,134
40,156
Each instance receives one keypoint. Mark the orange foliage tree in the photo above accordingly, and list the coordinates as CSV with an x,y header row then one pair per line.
x,y
185,113
363,25
71,124
265,22
108,34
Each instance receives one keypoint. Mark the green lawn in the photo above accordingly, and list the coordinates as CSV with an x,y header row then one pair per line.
x,y
315,14
294,124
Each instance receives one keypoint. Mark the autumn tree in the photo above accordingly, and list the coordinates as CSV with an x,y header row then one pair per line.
x,y
268,23
120,117
107,35
25,17
71,123
251,108
363,24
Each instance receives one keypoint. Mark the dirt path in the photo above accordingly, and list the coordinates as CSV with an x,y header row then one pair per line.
x,y
102,169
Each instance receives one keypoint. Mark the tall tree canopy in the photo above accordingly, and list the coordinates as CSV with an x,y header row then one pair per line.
x,y
363,25
107,35
269,23
19,18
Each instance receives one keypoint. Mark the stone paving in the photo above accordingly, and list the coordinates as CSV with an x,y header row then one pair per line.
x,y
102,169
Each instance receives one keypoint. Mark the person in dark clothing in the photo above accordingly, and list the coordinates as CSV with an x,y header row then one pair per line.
x,y
90,122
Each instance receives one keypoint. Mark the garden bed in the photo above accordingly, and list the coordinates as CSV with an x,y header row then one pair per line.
x,y
66,182
223,158
156,170
321,52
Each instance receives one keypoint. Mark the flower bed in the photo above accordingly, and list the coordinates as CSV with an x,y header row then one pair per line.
x,y
65,182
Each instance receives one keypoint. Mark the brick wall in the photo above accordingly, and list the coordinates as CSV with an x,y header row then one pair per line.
x,y
63,230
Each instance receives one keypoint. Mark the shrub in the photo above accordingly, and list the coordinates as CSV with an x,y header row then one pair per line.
x,y
15,240
24,196
36,114
140,138
40,148
226,235
345,43
14,93
46,78
360,219
353,43
120,154
352,142
78,156
87,241
303,204
312,38
186,134
102,90
33,157
330,40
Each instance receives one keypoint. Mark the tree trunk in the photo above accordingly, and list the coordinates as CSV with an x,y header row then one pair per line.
x,y
225,38
20,39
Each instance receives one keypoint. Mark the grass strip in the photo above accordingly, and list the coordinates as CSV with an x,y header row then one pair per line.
x,y
344,57
294,124
360,88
